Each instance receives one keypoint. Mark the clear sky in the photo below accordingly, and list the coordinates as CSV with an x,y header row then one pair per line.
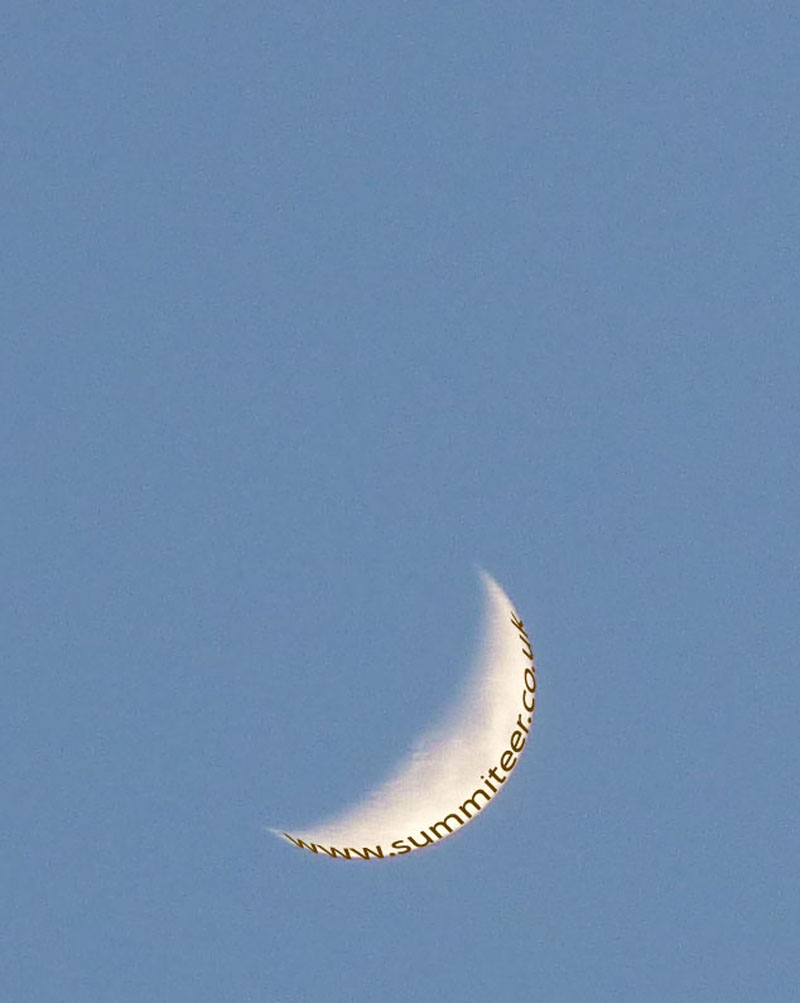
x,y
307,311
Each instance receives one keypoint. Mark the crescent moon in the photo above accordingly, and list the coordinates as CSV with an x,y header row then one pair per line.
x,y
455,770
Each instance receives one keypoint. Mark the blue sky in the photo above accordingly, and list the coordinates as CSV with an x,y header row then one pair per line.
x,y
306,312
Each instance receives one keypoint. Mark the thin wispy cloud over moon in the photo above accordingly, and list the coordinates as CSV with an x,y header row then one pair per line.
x,y
459,766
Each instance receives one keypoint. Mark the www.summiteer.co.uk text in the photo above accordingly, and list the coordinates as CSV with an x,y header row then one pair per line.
x,y
493,780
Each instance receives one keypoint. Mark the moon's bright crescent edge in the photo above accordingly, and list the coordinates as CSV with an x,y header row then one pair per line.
x,y
458,767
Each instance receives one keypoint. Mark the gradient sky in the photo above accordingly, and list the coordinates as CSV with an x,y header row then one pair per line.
x,y
308,311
